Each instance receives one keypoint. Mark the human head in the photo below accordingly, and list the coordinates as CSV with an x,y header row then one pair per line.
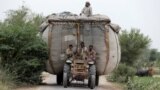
x,y
87,4
70,46
82,44
90,47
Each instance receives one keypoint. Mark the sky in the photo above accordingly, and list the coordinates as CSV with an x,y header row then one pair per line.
x,y
141,14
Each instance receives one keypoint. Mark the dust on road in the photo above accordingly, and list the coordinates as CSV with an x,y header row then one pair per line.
x,y
51,85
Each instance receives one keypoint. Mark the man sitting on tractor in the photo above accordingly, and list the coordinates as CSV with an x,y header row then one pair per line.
x,y
91,54
69,52
83,51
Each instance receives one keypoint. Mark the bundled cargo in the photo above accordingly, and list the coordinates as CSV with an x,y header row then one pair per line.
x,y
61,30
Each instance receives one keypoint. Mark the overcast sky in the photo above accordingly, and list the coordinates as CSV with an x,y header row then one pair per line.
x,y
142,14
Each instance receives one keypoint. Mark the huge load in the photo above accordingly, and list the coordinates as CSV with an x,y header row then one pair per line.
x,y
61,30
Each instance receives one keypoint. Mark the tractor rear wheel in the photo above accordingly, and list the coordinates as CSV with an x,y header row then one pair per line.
x,y
65,80
66,75
92,81
92,76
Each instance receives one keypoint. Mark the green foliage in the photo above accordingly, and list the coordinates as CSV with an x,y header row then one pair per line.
x,y
122,73
143,60
158,54
157,61
153,55
143,83
22,53
132,44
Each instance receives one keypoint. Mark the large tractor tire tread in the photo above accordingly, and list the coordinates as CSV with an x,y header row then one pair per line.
x,y
66,75
92,81
92,70
92,77
65,80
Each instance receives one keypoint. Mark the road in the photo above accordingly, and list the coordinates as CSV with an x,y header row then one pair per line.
x,y
51,85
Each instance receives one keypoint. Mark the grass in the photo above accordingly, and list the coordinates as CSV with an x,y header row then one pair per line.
x,y
144,83
121,86
6,81
4,87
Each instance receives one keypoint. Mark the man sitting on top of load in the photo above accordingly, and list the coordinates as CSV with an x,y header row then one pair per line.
x,y
87,10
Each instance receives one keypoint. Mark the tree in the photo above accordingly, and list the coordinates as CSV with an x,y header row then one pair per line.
x,y
22,53
158,60
134,47
133,44
153,55
158,56
143,59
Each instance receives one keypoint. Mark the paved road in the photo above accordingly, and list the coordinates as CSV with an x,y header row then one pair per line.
x,y
50,80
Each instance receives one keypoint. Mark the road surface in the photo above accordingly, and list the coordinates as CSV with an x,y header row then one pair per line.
x,y
51,85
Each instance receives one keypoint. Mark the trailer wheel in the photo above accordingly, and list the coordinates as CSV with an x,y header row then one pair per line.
x,y
97,79
59,79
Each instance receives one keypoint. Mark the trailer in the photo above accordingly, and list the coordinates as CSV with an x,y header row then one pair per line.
x,y
61,30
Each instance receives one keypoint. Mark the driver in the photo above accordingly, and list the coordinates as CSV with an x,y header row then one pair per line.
x,y
83,51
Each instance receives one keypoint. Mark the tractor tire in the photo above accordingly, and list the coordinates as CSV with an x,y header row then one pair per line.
x,y
92,76
66,75
59,79
92,70
65,80
92,81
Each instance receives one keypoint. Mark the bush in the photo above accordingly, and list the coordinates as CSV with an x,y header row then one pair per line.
x,y
122,73
22,53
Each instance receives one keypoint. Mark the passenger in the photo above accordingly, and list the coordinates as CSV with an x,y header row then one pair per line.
x,y
69,52
83,50
91,53
87,10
